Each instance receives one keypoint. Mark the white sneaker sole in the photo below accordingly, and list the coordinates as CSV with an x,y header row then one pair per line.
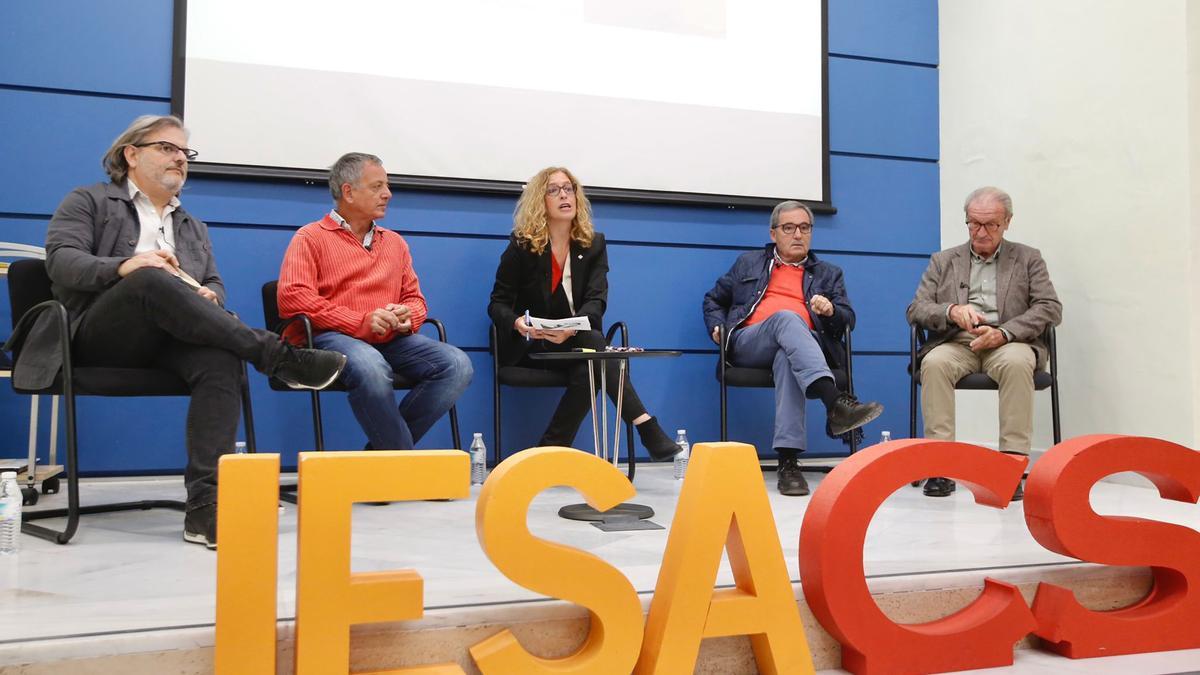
x,y
197,538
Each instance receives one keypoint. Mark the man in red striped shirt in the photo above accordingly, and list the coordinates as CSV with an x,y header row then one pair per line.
x,y
355,282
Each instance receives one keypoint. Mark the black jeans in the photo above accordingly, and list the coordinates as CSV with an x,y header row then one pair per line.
x,y
576,400
150,319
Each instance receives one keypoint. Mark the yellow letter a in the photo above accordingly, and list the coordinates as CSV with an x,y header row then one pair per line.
x,y
723,502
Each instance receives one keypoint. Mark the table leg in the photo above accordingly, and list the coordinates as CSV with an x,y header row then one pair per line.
x,y
595,428
622,516
603,408
620,401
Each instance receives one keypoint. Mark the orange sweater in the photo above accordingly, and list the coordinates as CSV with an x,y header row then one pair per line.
x,y
784,291
329,276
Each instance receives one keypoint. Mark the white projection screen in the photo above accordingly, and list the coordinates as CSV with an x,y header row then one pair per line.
x,y
679,100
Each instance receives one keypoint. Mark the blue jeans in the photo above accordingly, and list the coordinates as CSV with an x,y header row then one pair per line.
x,y
784,343
441,371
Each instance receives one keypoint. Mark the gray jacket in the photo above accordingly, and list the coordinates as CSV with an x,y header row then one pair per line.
x,y
92,232
1025,296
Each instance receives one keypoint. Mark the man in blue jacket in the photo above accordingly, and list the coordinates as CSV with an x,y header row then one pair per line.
x,y
782,308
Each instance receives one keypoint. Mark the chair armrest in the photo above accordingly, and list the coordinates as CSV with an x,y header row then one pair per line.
x,y
913,339
721,353
1052,348
21,330
441,327
619,325
849,360
299,318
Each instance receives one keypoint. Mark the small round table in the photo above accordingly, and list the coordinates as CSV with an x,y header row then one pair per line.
x,y
600,424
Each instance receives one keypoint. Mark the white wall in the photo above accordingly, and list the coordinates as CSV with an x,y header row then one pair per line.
x,y
1086,112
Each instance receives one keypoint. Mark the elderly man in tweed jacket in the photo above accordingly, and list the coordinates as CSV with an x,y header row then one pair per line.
x,y
986,305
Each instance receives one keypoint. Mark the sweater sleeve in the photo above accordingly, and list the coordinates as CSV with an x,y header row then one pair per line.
x,y
298,292
410,289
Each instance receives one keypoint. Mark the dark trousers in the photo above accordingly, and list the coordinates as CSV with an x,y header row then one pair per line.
x,y
576,400
150,319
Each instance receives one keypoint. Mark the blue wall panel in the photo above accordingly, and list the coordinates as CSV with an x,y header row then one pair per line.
x,y
59,139
116,48
883,119
883,205
899,30
883,109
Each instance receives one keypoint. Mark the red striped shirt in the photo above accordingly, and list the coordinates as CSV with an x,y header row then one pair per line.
x,y
329,276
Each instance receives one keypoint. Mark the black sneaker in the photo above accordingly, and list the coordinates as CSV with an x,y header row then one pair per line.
x,y
200,526
847,414
939,487
657,442
791,480
309,368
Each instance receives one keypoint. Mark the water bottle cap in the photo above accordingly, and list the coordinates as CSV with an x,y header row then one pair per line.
x,y
8,475
682,432
478,434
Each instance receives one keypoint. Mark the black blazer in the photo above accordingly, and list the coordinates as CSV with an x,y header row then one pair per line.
x,y
523,283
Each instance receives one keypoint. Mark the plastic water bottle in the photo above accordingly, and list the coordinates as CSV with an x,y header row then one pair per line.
x,y
478,460
10,513
681,457
885,437
239,448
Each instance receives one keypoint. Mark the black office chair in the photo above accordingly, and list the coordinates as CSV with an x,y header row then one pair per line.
x,y
276,323
734,376
1042,380
520,376
30,294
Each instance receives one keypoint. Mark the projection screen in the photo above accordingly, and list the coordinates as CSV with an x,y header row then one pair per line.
x,y
690,100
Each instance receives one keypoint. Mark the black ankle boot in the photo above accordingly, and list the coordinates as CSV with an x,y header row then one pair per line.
x,y
657,442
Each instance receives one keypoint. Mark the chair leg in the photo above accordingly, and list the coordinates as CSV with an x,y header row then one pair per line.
x,y
631,449
74,510
318,428
454,437
1054,415
248,413
724,413
497,455
912,408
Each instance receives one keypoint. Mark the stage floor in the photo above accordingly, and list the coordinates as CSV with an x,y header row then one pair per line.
x,y
129,573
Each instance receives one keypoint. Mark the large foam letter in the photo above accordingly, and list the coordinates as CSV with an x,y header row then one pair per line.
x,y
555,570
831,563
1059,514
723,505
247,564
329,598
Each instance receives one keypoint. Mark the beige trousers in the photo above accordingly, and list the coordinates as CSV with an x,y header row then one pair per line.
x,y
1010,365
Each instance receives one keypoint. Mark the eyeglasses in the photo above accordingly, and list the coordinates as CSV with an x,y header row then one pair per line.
x,y
990,227
567,190
790,229
168,148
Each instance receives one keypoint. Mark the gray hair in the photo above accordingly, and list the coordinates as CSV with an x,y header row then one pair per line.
x,y
114,160
348,169
789,205
989,193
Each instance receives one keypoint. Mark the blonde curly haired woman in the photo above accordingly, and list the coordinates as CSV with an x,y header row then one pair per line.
x,y
556,266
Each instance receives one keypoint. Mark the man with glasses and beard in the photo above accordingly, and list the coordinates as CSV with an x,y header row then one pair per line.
x,y
783,308
985,305
137,275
